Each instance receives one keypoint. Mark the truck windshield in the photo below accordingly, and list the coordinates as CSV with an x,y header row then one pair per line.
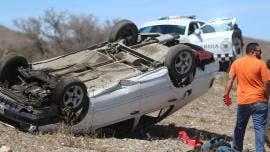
x,y
164,29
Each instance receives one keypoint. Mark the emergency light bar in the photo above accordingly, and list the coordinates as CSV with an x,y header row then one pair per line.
x,y
176,17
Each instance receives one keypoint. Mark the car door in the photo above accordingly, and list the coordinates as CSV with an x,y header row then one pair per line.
x,y
156,91
119,103
215,35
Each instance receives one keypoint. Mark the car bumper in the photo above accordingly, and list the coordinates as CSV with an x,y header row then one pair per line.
x,y
25,116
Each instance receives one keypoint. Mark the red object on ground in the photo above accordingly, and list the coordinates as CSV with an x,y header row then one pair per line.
x,y
186,139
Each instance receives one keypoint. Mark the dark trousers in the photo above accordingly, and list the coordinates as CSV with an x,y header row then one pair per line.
x,y
258,111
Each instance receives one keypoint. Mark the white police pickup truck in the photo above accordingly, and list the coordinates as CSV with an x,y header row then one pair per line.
x,y
217,36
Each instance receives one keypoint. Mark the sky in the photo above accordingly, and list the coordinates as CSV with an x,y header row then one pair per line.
x,y
253,17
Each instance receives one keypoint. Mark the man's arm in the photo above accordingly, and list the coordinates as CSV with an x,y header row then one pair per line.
x,y
229,85
226,97
267,89
265,74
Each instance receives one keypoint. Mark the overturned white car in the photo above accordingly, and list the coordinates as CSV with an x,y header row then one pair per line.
x,y
117,84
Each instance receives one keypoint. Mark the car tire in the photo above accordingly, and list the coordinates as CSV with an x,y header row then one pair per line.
x,y
9,68
180,61
126,30
71,96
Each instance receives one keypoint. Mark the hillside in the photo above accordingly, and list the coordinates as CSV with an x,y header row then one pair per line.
x,y
10,38
265,45
13,39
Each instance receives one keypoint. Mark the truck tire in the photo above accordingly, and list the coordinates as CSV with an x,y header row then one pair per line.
x,y
71,97
180,62
126,30
9,69
224,66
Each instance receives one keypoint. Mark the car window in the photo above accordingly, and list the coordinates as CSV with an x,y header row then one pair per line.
x,y
201,23
208,29
164,29
217,26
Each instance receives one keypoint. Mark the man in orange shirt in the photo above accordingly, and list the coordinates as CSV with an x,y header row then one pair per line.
x,y
252,95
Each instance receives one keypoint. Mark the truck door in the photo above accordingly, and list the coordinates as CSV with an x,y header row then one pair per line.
x,y
215,36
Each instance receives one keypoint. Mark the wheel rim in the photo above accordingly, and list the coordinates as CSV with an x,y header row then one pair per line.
x,y
73,97
183,62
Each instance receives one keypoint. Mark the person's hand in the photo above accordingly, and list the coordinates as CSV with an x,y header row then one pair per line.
x,y
227,100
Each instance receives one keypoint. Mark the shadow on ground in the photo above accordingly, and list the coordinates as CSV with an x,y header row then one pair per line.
x,y
163,132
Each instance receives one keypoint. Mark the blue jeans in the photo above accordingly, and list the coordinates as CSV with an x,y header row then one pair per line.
x,y
258,111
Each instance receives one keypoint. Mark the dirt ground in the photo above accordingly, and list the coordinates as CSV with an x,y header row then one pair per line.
x,y
204,118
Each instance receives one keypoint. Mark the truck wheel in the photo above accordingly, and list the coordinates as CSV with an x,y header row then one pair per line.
x,y
180,62
126,30
71,97
224,66
9,69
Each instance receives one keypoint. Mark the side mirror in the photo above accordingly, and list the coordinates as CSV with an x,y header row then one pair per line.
x,y
197,32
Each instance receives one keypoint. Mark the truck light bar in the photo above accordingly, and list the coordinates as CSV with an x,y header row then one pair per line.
x,y
176,17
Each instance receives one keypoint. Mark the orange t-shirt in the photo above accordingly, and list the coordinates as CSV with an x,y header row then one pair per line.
x,y
251,73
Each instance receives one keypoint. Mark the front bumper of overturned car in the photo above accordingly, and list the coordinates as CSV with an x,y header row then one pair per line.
x,y
13,112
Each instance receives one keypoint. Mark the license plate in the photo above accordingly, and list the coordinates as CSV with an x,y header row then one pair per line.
x,y
2,109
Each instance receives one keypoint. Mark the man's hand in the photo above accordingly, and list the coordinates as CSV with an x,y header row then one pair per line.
x,y
227,100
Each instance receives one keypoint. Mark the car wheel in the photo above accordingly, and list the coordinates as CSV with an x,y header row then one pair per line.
x,y
9,69
126,30
180,62
237,44
71,97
